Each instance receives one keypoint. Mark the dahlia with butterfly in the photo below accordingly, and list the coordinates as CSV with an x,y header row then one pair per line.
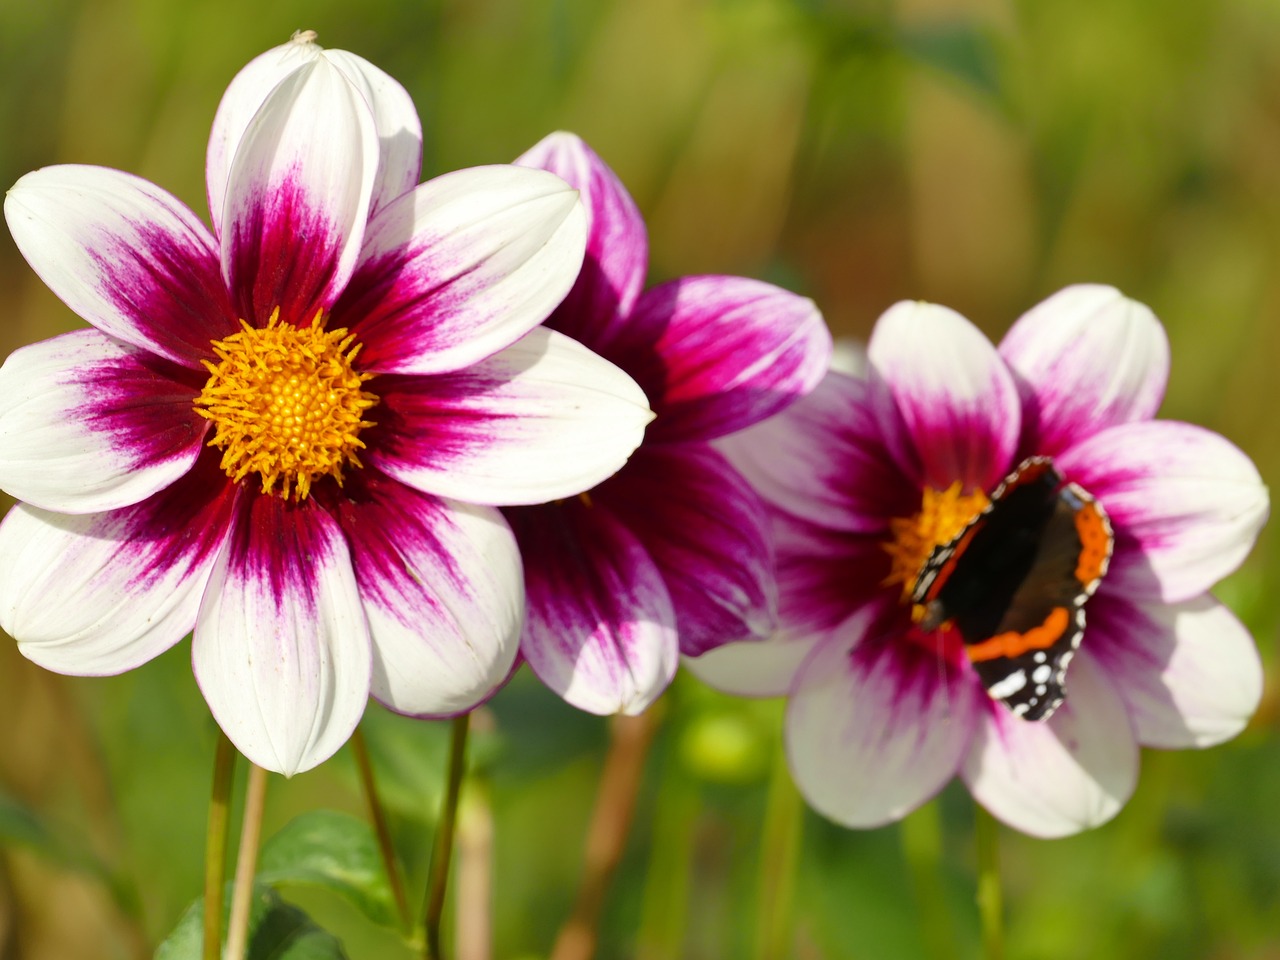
x,y
994,563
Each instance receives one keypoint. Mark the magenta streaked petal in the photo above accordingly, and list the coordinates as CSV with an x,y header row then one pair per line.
x,y
617,257
1085,359
103,593
1186,504
281,647
1065,774
707,531
462,267
240,103
600,629
716,354
1189,672
876,726
124,255
298,196
543,419
947,405
823,460
442,589
88,423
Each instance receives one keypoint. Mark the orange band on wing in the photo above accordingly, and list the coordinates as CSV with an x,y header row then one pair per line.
x,y
1015,644
1095,543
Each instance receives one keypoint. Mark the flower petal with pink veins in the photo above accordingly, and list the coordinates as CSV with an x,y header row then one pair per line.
x,y
298,196
1085,359
1186,504
103,593
544,419
617,257
707,531
1189,672
442,589
124,255
947,405
1065,774
463,267
716,354
88,423
281,647
822,460
600,629
876,726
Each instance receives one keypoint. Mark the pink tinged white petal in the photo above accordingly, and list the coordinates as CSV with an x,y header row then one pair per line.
x,y
707,531
443,592
1085,359
1071,772
600,629
299,195
946,403
617,257
462,267
1186,504
124,255
281,647
716,354
103,593
88,423
755,668
543,419
1189,672
240,103
823,460
875,726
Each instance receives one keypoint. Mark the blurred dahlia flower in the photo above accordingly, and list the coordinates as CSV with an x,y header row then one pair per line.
x,y
670,555
881,489
289,432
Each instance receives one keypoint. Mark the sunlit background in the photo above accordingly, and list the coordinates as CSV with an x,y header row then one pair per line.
x,y
978,154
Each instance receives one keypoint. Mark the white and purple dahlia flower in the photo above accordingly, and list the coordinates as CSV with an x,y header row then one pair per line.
x,y
290,433
867,476
671,555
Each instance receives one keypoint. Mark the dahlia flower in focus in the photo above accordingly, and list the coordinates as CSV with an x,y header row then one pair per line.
x,y
671,555
878,484
289,432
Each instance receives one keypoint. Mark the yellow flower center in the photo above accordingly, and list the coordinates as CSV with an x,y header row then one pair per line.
x,y
943,514
286,404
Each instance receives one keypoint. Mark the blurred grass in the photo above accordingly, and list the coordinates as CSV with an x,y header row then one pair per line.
x,y
980,154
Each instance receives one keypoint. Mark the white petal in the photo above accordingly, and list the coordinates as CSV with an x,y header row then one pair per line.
x,y
88,423
281,647
1087,358
543,419
1063,775
760,668
946,403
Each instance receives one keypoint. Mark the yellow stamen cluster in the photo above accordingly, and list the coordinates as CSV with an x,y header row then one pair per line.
x,y
943,514
286,403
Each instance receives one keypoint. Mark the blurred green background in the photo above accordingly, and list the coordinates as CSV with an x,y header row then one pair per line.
x,y
980,154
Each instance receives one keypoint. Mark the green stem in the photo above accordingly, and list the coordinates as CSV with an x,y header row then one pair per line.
x,y
385,846
442,850
255,802
990,908
215,846
779,848
921,833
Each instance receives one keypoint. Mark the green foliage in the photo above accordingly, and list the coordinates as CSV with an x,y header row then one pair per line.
x,y
277,931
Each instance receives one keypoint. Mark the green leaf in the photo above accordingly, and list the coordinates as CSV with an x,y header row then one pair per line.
x,y
961,49
277,931
334,851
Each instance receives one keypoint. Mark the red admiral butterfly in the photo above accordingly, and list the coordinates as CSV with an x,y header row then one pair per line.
x,y
1014,583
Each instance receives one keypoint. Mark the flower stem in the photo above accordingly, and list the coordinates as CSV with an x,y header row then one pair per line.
x,y
922,848
246,863
990,908
607,834
215,845
442,850
385,846
779,848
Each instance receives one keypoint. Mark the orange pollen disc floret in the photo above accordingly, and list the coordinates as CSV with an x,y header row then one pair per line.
x,y
286,404
943,514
